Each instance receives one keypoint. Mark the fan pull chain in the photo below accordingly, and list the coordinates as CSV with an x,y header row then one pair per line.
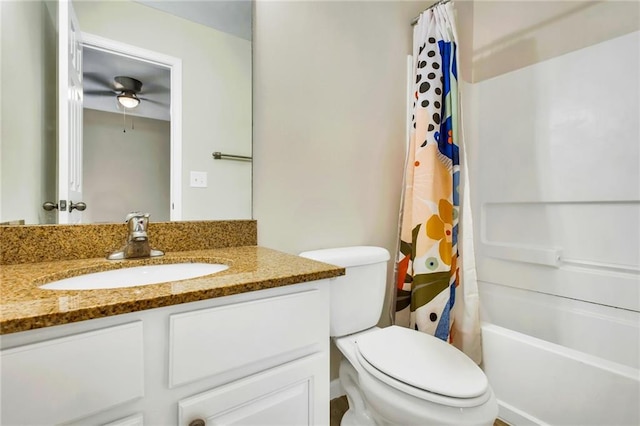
x,y
124,121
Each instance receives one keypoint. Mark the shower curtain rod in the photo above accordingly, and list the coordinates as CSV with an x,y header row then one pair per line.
x,y
438,3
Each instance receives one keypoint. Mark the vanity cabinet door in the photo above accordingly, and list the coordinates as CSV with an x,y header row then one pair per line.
x,y
281,396
135,420
64,379
236,340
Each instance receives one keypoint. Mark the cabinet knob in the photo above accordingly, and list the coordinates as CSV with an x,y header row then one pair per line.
x,y
197,422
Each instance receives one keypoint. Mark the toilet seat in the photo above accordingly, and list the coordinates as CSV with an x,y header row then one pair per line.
x,y
423,366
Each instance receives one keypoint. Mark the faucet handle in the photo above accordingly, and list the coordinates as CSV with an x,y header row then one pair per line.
x,y
135,214
137,223
137,241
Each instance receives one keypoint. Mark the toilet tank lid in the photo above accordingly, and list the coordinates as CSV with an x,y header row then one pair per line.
x,y
349,256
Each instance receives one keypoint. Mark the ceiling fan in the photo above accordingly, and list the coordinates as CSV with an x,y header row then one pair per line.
x,y
127,90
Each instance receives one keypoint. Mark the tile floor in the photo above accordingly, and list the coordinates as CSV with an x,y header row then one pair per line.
x,y
340,405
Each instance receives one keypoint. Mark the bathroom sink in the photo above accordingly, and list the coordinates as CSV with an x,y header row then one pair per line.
x,y
136,276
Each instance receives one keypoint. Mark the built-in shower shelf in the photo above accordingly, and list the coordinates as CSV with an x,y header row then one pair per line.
x,y
522,253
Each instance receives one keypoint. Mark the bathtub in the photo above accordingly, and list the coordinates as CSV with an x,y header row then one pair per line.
x,y
558,361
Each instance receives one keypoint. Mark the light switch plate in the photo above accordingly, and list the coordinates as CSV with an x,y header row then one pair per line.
x,y
198,179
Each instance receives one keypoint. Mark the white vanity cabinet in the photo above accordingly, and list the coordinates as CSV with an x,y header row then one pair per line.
x,y
56,380
257,358
280,396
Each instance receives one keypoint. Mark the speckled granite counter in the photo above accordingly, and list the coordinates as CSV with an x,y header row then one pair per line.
x,y
24,306
44,243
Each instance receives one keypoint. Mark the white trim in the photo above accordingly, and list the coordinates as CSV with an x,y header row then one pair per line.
x,y
175,212
2,218
515,416
62,116
335,389
129,50
174,65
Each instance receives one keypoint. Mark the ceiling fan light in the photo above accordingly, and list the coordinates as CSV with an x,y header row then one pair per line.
x,y
128,99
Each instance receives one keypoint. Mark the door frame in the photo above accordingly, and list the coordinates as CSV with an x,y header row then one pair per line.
x,y
175,68
69,114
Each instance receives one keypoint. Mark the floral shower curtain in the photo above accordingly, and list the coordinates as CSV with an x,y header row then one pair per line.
x,y
436,293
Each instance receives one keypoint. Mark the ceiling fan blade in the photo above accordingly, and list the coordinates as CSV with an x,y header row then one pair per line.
x,y
96,78
152,88
100,92
151,101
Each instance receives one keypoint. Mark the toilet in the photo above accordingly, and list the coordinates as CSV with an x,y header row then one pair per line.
x,y
395,375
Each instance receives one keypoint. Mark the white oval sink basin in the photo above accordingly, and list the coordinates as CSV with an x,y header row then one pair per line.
x,y
139,275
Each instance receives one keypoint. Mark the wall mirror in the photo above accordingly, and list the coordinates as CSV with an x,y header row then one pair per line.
x,y
188,63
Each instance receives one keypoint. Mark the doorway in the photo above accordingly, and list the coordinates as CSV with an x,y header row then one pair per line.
x,y
132,156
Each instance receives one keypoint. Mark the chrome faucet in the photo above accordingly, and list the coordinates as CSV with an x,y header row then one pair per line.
x,y
138,240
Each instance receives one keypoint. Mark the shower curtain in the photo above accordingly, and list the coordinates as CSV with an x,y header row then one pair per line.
x,y
436,291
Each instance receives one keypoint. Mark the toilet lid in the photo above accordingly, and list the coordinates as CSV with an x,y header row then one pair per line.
x,y
422,361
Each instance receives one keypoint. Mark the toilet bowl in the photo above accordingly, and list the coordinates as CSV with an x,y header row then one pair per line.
x,y
395,375
447,388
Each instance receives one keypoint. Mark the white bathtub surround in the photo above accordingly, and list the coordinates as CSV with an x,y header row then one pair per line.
x,y
555,164
608,333
544,383
561,349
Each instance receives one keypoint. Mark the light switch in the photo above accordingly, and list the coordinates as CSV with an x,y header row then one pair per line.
x,y
198,179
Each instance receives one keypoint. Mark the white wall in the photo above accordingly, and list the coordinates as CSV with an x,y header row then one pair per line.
x,y
125,171
216,111
329,123
25,143
508,35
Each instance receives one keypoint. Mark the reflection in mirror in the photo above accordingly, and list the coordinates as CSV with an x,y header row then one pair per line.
x,y
122,174
135,141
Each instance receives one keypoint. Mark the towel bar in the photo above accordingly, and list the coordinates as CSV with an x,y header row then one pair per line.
x,y
220,156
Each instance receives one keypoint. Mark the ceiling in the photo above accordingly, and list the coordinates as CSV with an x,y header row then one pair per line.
x,y
230,16
101,67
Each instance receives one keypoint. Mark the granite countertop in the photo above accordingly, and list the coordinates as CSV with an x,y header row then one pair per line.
x,y
24,306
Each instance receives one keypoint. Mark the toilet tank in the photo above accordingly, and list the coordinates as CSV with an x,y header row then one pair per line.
x,y
357,298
